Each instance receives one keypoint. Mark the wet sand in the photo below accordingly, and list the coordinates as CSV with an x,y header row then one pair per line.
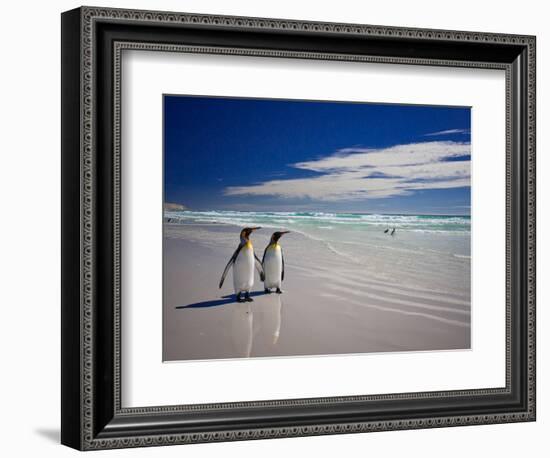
x,y
332,304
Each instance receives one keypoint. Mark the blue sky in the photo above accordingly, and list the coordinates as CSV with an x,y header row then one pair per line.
x,y
281,155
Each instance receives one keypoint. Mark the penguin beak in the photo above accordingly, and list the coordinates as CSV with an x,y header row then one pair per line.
x,y
255,228
277,235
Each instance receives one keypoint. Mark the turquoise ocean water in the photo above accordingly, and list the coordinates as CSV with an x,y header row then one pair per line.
x,y
351,233
437,224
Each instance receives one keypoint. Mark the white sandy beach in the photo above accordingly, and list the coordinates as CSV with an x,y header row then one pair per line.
x,y
358,293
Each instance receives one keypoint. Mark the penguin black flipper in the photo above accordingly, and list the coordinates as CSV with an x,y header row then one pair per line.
x,y
283,259
263,259
230,263
265,251
259,267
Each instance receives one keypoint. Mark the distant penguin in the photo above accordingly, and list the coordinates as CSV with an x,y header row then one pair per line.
x,y
243,261
393,231
386,231
273,263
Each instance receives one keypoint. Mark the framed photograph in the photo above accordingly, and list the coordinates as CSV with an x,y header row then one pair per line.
x,y
276,228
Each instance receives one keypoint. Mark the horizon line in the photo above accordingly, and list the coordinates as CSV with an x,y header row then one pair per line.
x,y
328,211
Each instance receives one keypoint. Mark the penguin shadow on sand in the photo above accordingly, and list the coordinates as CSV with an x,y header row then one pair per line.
x,y
224,300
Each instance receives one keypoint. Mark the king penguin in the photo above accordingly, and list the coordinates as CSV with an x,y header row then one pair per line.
x,y
243,261
273,263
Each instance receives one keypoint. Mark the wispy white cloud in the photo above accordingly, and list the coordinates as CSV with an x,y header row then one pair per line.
x,y
447,132
365,173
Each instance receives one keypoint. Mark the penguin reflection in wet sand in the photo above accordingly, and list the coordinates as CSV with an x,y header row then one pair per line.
x,y
273,263
243,261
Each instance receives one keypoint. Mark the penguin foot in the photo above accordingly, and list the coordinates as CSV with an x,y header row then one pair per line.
x,y
240,298
278,291
267,291
247,298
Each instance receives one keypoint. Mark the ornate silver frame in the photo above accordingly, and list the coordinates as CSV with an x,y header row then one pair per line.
x,y
93,417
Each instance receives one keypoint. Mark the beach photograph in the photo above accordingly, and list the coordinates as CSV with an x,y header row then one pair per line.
x,y
309,228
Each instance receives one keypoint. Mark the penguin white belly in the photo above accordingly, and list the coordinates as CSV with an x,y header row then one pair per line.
x,y
273,267
243,270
